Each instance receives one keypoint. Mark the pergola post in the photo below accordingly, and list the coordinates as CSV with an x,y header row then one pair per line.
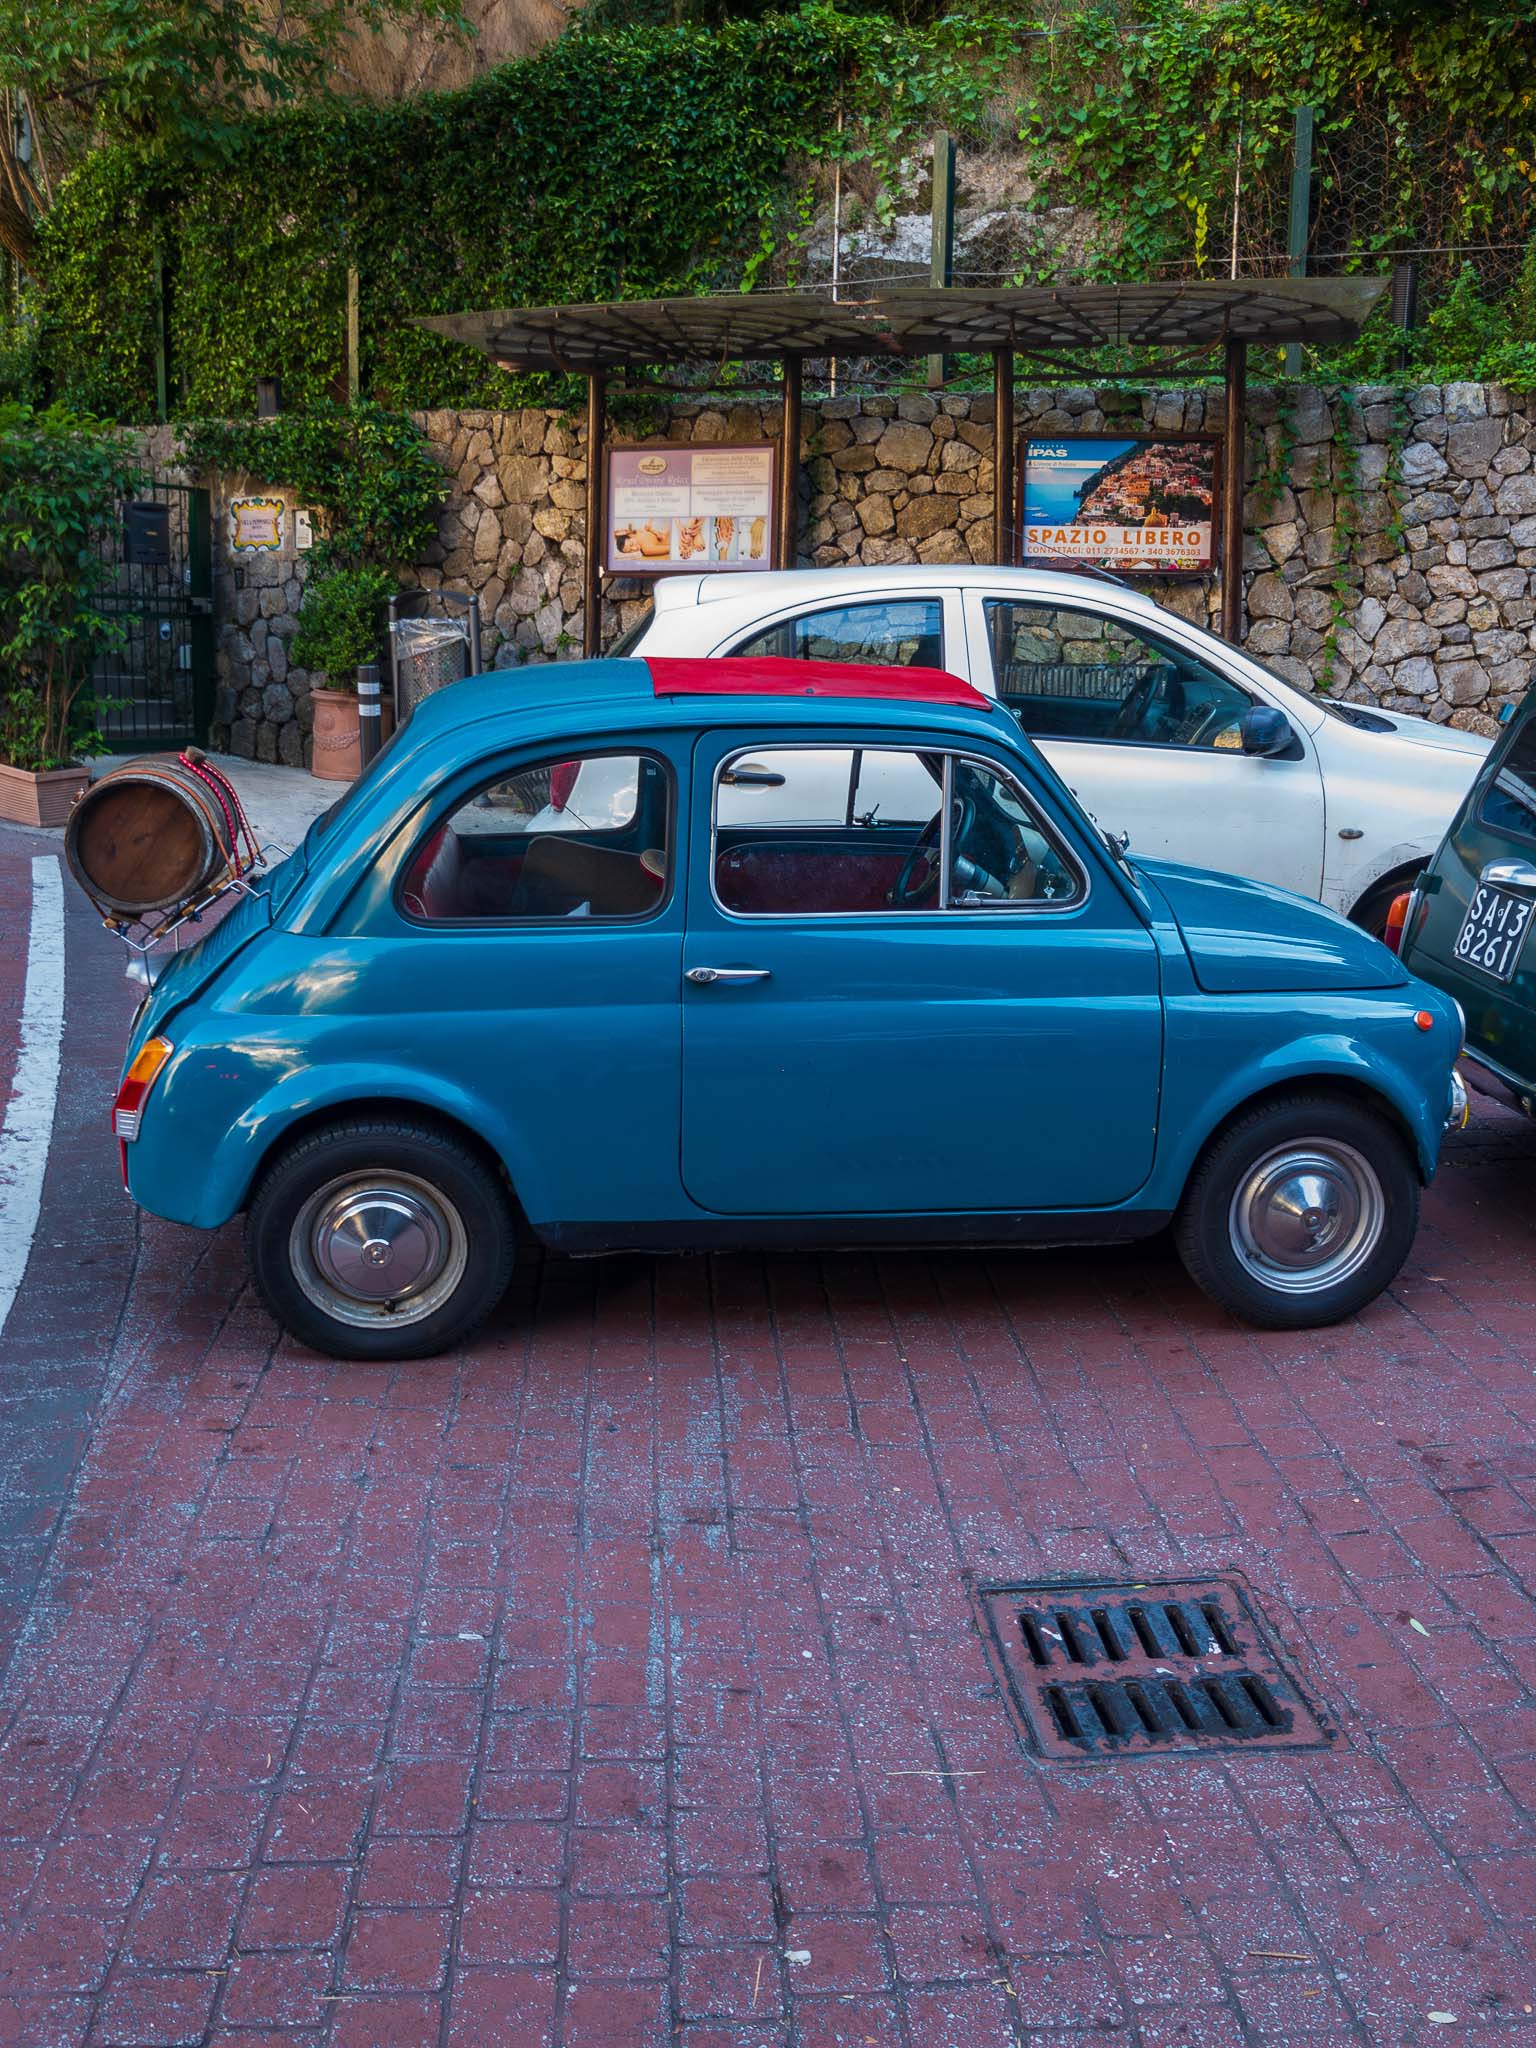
x,y
1002,454
1236,355
592,555
789,467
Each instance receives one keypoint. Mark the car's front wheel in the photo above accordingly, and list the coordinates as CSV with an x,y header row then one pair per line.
x,y
1300,1212
380,1238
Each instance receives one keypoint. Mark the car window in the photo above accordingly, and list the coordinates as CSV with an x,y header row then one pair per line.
x,y
584,837
840,830
1070,674
1001,854
827,831
903,632
1509,801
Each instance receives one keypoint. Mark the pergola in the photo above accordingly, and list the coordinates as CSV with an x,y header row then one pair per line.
x,y
1053,326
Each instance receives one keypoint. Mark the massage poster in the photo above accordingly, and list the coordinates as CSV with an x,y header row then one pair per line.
x,y
700,508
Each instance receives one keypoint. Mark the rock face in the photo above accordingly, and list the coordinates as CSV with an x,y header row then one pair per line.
x,y
1432,612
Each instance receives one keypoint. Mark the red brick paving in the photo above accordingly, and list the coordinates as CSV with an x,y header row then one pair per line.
x,y
617,1682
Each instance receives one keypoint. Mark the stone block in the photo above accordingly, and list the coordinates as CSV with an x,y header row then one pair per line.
x,y
1268,598
875,514
1401,637
944,546
1472,444
1463,682
1422,465
1415,677
923,516
1516,496
1446,579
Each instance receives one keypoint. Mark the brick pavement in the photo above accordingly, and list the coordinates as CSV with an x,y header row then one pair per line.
x,y
617,1683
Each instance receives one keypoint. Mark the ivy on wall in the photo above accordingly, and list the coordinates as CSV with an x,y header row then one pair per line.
x,y
676,157
618,163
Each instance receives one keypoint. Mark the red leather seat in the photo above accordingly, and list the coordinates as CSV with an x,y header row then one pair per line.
x,y
433,885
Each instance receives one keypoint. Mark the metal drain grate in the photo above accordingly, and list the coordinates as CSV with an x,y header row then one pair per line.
x,y
1149,1669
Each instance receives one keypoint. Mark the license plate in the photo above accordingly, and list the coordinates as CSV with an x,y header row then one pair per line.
x,y
1494,931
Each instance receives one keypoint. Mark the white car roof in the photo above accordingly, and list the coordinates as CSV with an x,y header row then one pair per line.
x,y
770,587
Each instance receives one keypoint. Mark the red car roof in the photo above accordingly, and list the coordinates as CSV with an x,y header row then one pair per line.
x,y
769,676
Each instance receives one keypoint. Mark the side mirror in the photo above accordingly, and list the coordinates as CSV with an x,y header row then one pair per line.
x,y
1265,731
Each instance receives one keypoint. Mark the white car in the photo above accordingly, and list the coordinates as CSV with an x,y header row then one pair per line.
x,y
1165,733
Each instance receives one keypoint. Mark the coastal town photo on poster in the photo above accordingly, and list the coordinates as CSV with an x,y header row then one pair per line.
x,y
1138,503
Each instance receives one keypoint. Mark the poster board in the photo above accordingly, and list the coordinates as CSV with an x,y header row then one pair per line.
x,y
703,507
1138,504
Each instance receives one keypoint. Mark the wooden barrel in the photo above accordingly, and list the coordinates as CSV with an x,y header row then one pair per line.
x,y
149,836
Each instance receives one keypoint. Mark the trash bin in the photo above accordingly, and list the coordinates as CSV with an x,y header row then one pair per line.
x,y
428,652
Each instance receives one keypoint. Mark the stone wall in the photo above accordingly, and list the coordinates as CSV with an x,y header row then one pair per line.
x,y
1431,613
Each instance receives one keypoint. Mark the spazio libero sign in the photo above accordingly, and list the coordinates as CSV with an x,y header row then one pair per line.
x,y
1139,503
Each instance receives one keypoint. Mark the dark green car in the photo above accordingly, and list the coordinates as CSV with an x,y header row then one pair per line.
x,y
1468,924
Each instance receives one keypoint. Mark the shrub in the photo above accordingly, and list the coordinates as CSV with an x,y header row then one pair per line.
x,y
339,623
62,475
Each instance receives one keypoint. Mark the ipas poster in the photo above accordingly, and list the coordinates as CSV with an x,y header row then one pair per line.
x,y
1126,503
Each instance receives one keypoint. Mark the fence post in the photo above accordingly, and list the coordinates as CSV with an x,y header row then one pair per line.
x,y
354,336
941,267
1300,218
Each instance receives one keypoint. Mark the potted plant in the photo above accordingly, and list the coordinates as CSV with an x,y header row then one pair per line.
x,y
62,476
339,628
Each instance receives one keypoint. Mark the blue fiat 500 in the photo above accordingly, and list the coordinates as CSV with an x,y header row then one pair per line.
x,y
828,955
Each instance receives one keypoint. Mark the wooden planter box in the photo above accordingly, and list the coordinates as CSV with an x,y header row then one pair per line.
x,y
46,799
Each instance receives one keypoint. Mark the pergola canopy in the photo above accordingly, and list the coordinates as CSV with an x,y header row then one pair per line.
x,y
1036,320
1049,324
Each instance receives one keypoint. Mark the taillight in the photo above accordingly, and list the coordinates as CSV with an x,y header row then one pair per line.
x,y
136,1084
1397,917
562,780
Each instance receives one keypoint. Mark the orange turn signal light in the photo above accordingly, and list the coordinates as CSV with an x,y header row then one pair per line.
x,y
136,1084
1397,917
1425,1019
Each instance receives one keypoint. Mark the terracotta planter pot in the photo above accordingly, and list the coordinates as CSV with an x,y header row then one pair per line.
x,y
46,799
335,756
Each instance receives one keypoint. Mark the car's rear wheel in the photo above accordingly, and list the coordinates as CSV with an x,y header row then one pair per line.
x,y
1300,1212
379,1238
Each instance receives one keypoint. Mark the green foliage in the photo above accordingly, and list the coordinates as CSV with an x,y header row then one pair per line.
x,y
617,163
62,475
340,622
369,472
1142,128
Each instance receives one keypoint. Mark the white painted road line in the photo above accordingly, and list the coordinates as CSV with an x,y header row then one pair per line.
x,y
27,1130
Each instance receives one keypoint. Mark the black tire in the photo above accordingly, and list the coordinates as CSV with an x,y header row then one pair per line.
x,y
1248,1244
341,1204
1370,913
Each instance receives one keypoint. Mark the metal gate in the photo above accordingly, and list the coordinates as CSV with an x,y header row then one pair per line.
x,y
155,690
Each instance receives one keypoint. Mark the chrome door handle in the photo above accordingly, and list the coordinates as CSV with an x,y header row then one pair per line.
x,y
1509,874
703,976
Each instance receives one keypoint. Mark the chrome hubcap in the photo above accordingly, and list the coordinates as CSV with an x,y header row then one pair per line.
x,y
1307,1216
387,1247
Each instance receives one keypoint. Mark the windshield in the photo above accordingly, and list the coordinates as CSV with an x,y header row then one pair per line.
x,y
629,640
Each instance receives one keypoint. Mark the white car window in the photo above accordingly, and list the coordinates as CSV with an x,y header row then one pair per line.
x,y
1070,674
905,632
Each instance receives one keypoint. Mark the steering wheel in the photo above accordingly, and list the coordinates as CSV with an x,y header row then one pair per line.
x,y
904,896
1138,703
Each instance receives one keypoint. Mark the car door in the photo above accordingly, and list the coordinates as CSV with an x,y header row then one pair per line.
x,y
528,952
1146,732
878,1019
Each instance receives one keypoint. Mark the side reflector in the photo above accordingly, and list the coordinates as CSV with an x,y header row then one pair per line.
x,y
1425,1019
136,1084
1397,917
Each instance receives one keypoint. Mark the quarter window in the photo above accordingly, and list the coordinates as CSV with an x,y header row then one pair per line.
x,y
585,837
1068,674
904,633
